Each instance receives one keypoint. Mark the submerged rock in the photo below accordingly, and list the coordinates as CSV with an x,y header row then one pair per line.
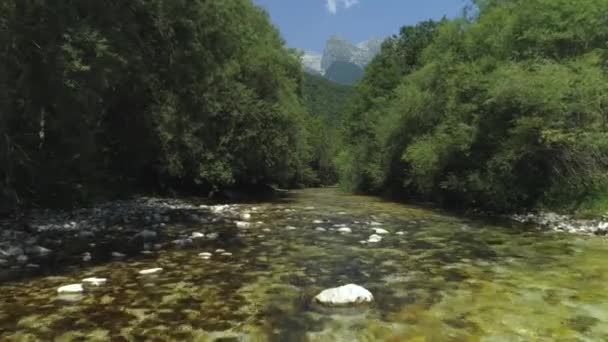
x,y
320,229
345,230
118,255
381,231
73,288
350,294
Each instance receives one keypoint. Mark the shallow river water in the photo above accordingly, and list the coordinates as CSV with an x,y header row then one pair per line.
x,y
444,278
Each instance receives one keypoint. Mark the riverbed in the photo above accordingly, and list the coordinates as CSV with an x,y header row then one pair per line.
x,y
434,276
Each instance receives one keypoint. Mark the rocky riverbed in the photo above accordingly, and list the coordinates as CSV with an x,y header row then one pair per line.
x,y
564,223
46,240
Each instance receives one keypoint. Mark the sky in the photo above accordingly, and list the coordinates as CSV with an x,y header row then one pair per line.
x,y
307,24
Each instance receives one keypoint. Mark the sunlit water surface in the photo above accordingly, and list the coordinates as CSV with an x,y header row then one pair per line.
x,y
446,279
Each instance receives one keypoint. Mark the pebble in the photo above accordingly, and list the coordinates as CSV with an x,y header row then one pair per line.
x,y
73,288
197,235
381,231
150,271
374,238
94,281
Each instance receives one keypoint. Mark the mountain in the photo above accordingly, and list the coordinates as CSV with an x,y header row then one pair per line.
x,y
312,62
340,49
351,59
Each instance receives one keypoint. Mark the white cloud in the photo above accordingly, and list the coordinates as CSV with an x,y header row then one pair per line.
x,y
332,5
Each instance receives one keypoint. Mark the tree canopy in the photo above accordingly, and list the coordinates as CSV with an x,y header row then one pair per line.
x,y
501,110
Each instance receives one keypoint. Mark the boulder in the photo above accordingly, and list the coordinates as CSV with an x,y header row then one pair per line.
x,y
350,294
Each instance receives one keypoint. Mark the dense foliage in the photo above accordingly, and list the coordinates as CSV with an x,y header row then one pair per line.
x,y
327,102
107,97
506,108
344,73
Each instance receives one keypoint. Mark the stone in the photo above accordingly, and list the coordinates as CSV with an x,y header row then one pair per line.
x,y
375,224
197,235
317,221
226,254
345,230
245,216
22,259
205,255
350,294
380,231
39,250
118,255
86,257
320,229
401,233
219,250
291,228
12,251
73,288
213,236
151,271
374,238
242,224
94,281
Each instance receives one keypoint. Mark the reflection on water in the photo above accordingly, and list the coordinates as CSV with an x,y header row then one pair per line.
x,y
445,279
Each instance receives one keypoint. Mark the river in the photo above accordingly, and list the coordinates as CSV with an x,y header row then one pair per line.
x,y
435,277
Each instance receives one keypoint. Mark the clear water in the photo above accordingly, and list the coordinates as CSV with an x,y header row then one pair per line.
x,y
446,279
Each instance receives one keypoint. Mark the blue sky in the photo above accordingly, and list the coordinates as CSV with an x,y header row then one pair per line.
x,y
307,24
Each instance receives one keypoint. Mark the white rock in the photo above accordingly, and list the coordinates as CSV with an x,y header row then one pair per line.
x,y
150,271
226,254
320,229
205,254
266,230
245,216
74,288
345,230
242,225
291,228
219,250
345,295
374,239
95,281
375,224
197,235
317,221
118,255
400,233
380,231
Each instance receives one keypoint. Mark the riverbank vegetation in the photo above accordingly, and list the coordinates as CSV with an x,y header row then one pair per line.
x,y
105,99
503,109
